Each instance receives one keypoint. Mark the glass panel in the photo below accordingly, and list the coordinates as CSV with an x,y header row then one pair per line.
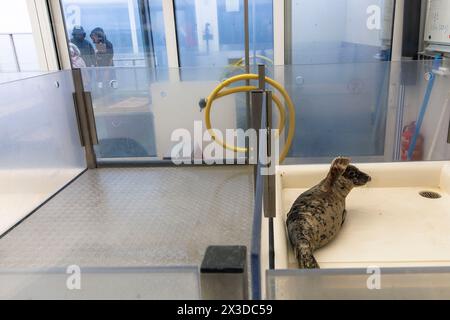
x,y
41,150
340,108
16,38
104,33
212,33
73,283
340,31
364,110
414,283
138,109
359,110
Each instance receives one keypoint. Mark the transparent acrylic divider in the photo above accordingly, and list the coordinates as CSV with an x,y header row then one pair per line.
x,y
138,109
401,283
354,109
40,144
361,109
14,76
152,283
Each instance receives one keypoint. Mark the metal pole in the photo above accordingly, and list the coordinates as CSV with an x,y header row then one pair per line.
x,y
287,31
247,36
269,186
256,112
13,46
448,137
247,58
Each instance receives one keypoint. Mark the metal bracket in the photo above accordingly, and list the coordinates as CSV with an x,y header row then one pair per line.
x,y
261,111
85,118
91,117
77,115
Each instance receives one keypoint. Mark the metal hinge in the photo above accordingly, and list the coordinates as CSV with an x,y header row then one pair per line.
x,y
89,111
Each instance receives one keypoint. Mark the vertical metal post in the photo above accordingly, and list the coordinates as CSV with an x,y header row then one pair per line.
x,y
269,186
448,136
247,36
147,36
257,98
287,31
256,109
13,46
85,114
247,58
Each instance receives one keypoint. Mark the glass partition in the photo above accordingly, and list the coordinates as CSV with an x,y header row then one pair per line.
x,y
74,283
362,110
106,33
137,110
404,284
40,144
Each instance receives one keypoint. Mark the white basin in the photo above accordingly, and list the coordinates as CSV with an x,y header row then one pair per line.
x,y
388,223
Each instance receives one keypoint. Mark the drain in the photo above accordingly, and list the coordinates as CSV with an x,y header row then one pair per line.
x,y
430,195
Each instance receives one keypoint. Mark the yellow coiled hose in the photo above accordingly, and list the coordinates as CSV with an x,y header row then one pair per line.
x,y
218,93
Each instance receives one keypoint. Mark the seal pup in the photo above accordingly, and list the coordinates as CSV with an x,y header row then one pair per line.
x,y
319,213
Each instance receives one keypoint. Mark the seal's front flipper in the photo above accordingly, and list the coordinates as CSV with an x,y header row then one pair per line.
x,y
305,257
337,169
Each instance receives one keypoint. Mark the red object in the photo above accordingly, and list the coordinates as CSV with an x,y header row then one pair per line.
x,y
407,134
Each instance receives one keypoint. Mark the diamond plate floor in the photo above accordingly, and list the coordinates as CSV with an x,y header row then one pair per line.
x,y
136,217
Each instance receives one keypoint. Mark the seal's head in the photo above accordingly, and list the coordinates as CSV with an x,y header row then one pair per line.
x,y
357,177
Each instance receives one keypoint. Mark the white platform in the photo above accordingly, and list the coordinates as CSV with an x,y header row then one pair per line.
x,y
388,223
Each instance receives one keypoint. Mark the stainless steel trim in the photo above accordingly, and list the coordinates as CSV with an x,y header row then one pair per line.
x,y
77,115
91,117
91,159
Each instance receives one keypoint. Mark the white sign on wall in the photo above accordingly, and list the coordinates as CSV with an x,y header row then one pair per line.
x,y
437,29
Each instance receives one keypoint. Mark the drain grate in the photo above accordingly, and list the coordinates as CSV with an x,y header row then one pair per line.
x,y
430,194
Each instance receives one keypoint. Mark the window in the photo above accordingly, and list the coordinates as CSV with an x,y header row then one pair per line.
x,y
340,31
339,77
18,51
116,32
212,33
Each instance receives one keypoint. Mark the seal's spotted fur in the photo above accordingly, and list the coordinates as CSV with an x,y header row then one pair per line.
x,y
319,213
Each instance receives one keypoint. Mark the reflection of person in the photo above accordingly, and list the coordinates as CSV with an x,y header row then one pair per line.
x,y
103,47
75,57
85,47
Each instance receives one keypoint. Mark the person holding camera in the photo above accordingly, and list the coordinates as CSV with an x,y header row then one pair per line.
x,y
103,47
87,52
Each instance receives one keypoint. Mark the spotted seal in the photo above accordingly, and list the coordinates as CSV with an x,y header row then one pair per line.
x,y
319,213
